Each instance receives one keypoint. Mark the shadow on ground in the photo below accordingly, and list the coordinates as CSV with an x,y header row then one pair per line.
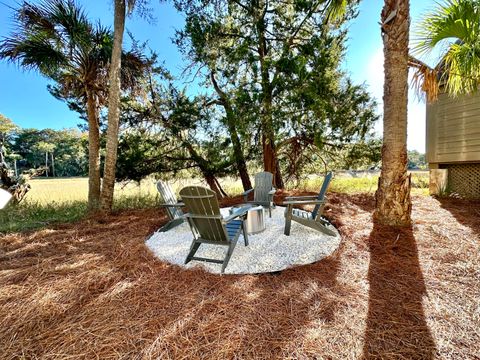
x,y
396,325
466,212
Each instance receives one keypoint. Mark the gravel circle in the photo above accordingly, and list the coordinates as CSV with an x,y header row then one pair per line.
x,y
268,251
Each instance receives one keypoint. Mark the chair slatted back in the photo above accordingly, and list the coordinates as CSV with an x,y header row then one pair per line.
x,y
263,184
321,194
168,197
205,217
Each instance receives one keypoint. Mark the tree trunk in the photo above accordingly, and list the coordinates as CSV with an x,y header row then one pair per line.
x,y
113,108
393,204
93,153
2,160
243,172
53,164
232,128
215,185
270,160
46,164
279,184
204,168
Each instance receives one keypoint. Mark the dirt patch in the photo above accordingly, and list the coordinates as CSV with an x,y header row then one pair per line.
x,y
92,289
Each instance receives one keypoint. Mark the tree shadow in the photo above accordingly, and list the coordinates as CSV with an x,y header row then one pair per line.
x,y
466,212
396,325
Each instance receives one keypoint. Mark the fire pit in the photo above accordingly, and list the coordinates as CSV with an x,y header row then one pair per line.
x,y
255,222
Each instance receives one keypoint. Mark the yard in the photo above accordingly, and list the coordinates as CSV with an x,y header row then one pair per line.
x,y
240,96
90,289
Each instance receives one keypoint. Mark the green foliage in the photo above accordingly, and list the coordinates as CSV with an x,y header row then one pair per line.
x,y
360,155
277,66
168,132
28,216
6,125
364,183
35,215
416,160
7,129
68,147
453,29
57,39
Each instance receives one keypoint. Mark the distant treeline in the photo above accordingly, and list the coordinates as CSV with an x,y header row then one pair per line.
x,y
58,152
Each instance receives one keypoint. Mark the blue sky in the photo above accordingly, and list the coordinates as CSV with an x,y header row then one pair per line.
x,y
24,97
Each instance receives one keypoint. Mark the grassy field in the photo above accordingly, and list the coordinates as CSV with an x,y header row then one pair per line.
x,y
64,199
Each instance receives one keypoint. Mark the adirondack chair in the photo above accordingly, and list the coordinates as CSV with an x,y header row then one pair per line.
x,y
171,204
263,191
209,226
311,219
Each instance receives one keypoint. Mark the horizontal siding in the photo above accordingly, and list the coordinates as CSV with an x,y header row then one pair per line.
x,y
453,129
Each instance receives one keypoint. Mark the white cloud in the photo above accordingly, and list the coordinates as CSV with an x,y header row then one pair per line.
x,y
374,77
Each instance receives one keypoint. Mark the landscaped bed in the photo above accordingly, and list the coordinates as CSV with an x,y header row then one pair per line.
x,y
93,289
268,251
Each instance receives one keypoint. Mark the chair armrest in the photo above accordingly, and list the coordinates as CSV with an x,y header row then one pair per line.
x,y
304,202
180,204
247,192
306,197
188,215
238,213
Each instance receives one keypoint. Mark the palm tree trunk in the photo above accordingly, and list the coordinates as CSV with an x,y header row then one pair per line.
x,y
93,153
393,204
113,108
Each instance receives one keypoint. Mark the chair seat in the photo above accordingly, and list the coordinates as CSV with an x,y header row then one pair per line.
x,y
233,228
302,214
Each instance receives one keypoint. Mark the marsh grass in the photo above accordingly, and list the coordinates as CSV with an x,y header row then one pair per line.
x,y
64,200
361,184
52,201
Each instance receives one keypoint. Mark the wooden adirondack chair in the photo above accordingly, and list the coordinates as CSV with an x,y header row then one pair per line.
x,y
311,219
263,191
171,204
209,226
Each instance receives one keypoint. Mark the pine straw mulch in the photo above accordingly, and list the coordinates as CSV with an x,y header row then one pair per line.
x,y
93,290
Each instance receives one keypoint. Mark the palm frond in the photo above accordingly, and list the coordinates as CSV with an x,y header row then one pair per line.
x,y
425,79
453,29
336,9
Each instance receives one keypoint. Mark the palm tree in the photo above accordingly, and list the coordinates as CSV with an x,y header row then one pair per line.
x,y
108,185
454,27
393,204
56,38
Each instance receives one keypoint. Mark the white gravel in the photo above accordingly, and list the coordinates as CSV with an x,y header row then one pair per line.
x,y
268,251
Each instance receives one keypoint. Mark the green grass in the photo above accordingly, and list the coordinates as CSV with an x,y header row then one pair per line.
x,y
63,200
53,201
363,184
